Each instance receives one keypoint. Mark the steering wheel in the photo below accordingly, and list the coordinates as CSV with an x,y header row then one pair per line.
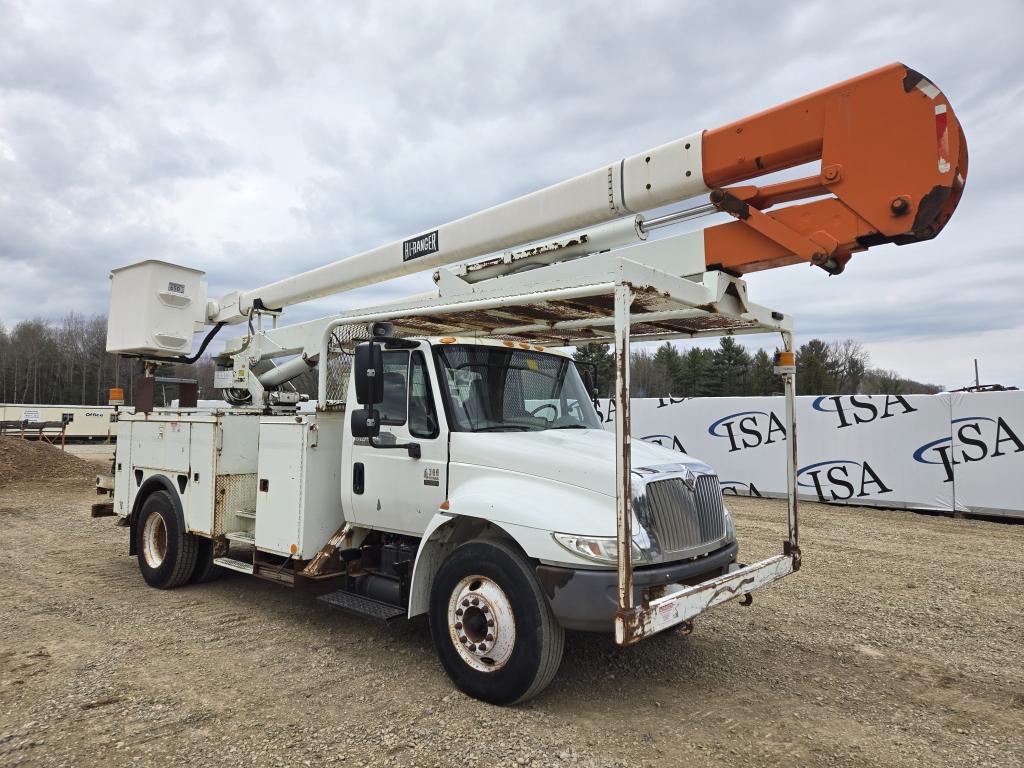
x,y
540,408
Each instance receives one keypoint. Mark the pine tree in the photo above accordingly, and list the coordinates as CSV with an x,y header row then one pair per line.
x,y
695,376
763,380
813,366
730,369
668,360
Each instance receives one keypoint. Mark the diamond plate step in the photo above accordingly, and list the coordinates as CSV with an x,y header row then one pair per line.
x,y
245,537
358,605
232,564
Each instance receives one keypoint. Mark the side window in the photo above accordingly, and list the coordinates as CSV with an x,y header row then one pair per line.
x,y
396,387
422,416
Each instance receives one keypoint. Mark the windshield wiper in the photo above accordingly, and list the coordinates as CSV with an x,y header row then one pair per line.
x,y
504,427
571,426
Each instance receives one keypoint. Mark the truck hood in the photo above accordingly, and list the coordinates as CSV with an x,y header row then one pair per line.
x,y
579,457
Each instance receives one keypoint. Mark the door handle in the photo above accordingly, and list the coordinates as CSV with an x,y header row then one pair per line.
x,y
358,478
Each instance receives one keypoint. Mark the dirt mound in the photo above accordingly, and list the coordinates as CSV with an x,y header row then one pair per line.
x,y
36,461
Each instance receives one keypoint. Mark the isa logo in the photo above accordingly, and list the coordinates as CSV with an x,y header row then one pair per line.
x,y
841,479
861,409
668,441
748,429
739,488
972,438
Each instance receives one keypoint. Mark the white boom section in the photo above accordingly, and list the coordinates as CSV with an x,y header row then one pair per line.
x,y
661,176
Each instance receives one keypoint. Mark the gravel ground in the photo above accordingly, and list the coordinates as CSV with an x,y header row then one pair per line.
x,y
898,643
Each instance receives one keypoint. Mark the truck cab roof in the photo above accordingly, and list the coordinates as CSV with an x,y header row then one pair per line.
x,y
511,344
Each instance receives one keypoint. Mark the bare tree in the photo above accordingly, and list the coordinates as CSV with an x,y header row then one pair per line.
x,y
847,363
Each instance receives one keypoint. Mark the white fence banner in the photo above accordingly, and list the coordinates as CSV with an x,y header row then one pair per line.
x,y
946,452
983,456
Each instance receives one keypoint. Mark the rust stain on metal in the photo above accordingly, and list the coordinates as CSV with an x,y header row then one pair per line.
x,y
527,253
327,559
623,295
792,546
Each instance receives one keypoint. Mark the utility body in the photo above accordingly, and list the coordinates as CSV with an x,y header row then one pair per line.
x,y
454,465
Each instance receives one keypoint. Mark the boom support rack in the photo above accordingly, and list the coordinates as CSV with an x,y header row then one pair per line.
x,y
607,298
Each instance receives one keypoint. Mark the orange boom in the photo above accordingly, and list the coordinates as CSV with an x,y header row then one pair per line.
x,y
893,164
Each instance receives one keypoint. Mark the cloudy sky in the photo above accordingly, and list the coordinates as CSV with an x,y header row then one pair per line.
x,y
254,140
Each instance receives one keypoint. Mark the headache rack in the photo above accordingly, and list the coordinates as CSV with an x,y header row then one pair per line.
x,y
616,297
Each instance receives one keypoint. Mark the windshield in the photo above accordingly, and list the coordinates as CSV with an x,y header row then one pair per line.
x,y
503,389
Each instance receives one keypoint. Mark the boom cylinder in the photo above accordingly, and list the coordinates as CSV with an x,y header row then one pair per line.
x,y
289,370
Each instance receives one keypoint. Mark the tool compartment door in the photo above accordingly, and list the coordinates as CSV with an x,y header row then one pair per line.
x,y
298,502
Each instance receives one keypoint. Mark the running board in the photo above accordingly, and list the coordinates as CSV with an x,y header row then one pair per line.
x,y
234,565
357,605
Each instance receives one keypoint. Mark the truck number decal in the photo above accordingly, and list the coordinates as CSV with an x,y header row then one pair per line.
x,y
432,476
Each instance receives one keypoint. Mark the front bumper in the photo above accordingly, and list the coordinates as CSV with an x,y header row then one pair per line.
x,y
587,600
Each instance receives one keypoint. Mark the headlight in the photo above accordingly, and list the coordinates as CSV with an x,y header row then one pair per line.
x,y
730,526
598,548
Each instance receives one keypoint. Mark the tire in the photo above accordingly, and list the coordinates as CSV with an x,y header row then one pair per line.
x,y
506,647
167,555
205,570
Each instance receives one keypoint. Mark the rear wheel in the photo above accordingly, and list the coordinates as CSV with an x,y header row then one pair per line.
x,y
492,627
167,554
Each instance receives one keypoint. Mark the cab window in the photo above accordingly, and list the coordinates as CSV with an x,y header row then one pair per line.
x,y
396,376
422,416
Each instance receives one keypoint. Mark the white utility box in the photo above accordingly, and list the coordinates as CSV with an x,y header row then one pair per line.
x,y
210,456
155,308
298,497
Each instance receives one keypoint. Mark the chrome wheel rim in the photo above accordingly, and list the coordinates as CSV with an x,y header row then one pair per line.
x,y
481,623
154,540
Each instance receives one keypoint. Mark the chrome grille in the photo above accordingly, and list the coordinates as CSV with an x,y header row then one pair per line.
x,y
684,519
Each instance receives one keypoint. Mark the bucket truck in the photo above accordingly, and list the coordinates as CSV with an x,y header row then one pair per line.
x,y
454,465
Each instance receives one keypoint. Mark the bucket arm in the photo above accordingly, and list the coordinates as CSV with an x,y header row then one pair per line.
x,y
893,164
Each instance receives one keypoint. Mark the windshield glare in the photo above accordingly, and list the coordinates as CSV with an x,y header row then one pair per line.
x,y
501,389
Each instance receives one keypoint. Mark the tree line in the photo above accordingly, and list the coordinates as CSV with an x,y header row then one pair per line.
x,y
834,368
67,362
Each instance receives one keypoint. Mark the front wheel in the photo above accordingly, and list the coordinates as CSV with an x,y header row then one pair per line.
x,y
492,627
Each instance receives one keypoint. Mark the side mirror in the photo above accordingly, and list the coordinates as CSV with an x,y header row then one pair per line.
x,y
365,423
369,374
588,382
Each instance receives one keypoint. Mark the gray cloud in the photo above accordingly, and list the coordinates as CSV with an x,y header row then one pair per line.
x,y
254,141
